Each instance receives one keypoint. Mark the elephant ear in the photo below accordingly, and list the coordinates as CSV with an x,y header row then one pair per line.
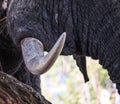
x,y
81,63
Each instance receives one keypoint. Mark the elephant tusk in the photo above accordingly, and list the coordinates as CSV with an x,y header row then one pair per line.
x,y
33,54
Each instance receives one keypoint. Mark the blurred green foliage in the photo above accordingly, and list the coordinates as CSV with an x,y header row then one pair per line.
x,y
64,83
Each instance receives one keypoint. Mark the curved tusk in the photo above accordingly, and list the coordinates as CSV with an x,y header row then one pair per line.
x,y
33,54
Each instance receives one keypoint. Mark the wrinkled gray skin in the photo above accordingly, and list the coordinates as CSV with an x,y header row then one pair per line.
x,y
92,28
11,60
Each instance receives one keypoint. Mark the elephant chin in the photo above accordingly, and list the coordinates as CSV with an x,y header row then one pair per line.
x,y
33,54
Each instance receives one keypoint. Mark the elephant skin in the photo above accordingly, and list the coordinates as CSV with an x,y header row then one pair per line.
x,y
92,28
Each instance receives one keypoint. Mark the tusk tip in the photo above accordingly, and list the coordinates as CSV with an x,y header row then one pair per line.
x,y
63,37
64,34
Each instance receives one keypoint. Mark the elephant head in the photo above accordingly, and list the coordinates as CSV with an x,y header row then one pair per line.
x,y
92,29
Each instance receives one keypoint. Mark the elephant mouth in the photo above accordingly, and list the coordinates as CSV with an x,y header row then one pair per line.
x,y
33,54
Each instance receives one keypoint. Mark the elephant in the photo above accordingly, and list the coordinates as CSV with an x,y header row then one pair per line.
x,y
82,28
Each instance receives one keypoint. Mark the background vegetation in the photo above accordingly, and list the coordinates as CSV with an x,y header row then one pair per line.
x,y
64,84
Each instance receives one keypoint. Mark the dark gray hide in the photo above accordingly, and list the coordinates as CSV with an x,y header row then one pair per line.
x,y
11,60
92,27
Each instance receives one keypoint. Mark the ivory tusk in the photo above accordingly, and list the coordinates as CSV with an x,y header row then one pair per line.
x,y
33,54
